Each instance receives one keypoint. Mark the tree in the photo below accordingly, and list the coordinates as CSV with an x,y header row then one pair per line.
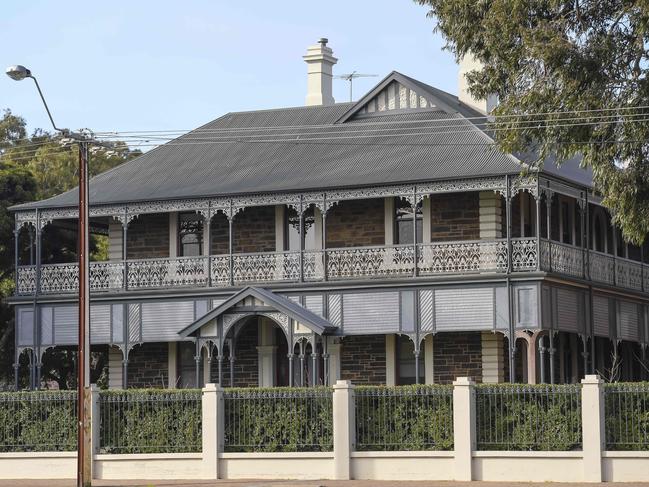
x,y
32,168
570,60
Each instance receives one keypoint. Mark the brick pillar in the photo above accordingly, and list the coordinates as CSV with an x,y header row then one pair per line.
x,y
493,357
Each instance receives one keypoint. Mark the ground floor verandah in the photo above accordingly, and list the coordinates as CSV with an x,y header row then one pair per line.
x,y
257,355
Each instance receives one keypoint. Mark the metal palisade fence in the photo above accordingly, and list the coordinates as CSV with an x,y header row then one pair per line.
x,y
528,417
627,416
404,418
514,417
38,421
278,419
150,421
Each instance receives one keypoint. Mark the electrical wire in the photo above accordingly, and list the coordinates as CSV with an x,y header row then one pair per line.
x,y
350,134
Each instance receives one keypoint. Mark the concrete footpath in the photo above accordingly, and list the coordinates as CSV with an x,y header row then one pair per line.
x,y
293,483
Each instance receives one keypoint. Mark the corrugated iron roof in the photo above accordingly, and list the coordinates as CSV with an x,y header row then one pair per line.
x,y
312,148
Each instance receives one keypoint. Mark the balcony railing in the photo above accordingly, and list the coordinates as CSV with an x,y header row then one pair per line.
x,y
390,261
596,266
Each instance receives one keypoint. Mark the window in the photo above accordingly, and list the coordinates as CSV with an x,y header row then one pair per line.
x,y
292,228
406,362
403,223
190,234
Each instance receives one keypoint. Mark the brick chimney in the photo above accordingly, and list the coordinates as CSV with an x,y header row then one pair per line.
x,y
320,61
469,63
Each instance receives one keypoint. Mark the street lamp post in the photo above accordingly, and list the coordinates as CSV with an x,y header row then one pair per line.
x,y
84,455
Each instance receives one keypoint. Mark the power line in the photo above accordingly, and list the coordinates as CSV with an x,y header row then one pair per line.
x,y
346,133
379,132
458,117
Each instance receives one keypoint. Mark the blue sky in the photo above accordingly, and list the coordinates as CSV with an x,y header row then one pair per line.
x,y
160,65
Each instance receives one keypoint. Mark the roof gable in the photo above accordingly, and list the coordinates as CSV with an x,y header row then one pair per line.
x,y
258,298
396,92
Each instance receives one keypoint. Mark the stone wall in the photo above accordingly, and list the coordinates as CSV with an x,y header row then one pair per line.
x,y
362,359
246,372
356,223
148,236
148,366
253,231
457,354
455,216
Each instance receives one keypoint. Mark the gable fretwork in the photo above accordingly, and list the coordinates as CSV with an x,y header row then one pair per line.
x,y
396,96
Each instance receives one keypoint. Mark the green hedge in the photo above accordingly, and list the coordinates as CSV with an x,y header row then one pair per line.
x,y
522,417
404,418
627,416
278,419
38,421
150,421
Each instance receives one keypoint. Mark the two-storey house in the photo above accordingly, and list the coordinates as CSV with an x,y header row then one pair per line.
x,y
384,241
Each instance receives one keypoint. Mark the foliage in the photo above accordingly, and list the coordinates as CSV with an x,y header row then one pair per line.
x,y
36,167
627,416
38,421
520,417
278,420
150,421
404,418
556,58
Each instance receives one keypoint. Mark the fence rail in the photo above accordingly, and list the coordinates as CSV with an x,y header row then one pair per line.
x,y
524,417
278,420
626,413
38,421
404,418
150,421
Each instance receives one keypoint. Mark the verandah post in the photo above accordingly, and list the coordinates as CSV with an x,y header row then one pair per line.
x,y
464,426
213,414
592,427
344,423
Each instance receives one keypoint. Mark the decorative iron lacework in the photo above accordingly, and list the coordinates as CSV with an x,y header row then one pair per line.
x,y
459,185
299,201
527,183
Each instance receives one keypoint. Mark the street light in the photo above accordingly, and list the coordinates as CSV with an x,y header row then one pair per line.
x,y
84,455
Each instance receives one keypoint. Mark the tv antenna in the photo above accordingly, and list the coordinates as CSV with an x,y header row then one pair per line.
x,y
351,77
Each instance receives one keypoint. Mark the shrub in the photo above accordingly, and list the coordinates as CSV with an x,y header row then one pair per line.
x,y
404,418
38,421
627,416
278,419
525,417
150,421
